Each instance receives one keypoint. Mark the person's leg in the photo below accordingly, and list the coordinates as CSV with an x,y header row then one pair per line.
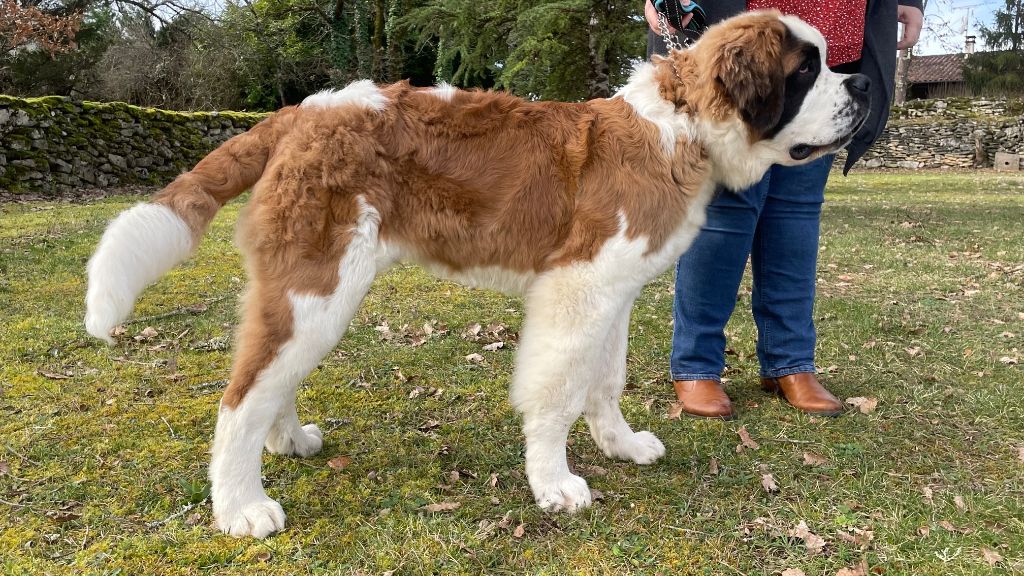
x,y
707,278
784,263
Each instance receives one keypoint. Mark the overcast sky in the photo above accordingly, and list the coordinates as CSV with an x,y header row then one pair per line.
x,y
945,21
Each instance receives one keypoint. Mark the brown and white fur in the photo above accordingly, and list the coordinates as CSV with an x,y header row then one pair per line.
x,y
573,205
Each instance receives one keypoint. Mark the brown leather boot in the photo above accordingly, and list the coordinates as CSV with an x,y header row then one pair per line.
x,y
804,392
703,398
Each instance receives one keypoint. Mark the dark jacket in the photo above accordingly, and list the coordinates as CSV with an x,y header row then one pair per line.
x,y
878,60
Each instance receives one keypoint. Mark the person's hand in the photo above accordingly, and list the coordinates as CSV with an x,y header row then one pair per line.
x,y
912,20
652,16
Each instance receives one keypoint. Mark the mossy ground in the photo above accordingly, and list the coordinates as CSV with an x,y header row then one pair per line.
x,y
920,305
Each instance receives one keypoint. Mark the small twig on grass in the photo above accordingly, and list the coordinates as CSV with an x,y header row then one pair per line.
x,y
173,434
188,508
20,455
16,505
178,312
687,530
790,440
209,386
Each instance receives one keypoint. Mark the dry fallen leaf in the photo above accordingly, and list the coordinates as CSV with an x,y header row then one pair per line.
x,y
913,351
713,467
62,516
924,531
959,501
812,541
927,493
264,556
866,405
494,346
493,480
1020,452
745,438
768,482
5,468
991,556
814,459
859,537
475,358
471,331
675,410
429,425
947,526
792,572
339,462
53,375
519,531
505,521
148,333
441,507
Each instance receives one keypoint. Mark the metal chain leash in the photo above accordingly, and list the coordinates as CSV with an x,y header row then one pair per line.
x,y
670,41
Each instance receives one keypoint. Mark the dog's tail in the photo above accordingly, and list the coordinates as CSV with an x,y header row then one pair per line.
x,y
146,241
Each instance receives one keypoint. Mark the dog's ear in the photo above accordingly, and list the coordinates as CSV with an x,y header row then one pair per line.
x,y
749,71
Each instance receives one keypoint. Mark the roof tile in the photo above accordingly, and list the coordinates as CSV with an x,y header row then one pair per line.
x,y
937,68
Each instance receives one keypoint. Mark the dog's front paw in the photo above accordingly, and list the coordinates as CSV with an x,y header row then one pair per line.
x,y
259,518
303,442
566,494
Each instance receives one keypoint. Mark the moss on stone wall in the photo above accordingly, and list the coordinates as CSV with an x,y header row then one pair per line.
x,y
54,144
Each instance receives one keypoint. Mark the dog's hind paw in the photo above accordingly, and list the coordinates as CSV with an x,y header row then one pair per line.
x,y
567,494
258,519
303,442
642,448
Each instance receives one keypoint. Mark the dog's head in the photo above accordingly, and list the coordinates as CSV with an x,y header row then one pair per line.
x,y
755,90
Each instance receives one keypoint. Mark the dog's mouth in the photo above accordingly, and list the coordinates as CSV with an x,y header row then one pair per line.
x,y
804,151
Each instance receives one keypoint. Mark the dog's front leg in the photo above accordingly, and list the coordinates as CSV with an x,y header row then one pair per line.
x,y
567,315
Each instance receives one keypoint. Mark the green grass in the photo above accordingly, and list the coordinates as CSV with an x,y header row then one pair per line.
x,y
920,305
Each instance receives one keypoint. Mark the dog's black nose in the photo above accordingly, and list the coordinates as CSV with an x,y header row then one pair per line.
x,y
858,84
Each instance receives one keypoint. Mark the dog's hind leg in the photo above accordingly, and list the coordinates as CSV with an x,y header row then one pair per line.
x,y
288,437
602,411
566,317
260,400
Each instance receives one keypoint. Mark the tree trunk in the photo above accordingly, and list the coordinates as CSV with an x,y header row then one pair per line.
x,y
378,40
598,80
902,73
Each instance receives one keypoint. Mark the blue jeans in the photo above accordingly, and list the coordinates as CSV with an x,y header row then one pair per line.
x,y
776,223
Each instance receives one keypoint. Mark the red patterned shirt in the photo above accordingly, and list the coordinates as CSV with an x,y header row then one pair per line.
x,y
840,21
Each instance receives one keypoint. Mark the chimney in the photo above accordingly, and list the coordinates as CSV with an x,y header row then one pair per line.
x,y
969,46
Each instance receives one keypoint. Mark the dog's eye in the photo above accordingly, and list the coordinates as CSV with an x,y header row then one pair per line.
x,y
805,67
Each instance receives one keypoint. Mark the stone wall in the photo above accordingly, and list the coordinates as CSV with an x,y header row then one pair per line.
x,y
52,145
950,133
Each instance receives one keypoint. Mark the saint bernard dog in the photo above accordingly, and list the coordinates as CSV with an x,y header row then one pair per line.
x,y
575,206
